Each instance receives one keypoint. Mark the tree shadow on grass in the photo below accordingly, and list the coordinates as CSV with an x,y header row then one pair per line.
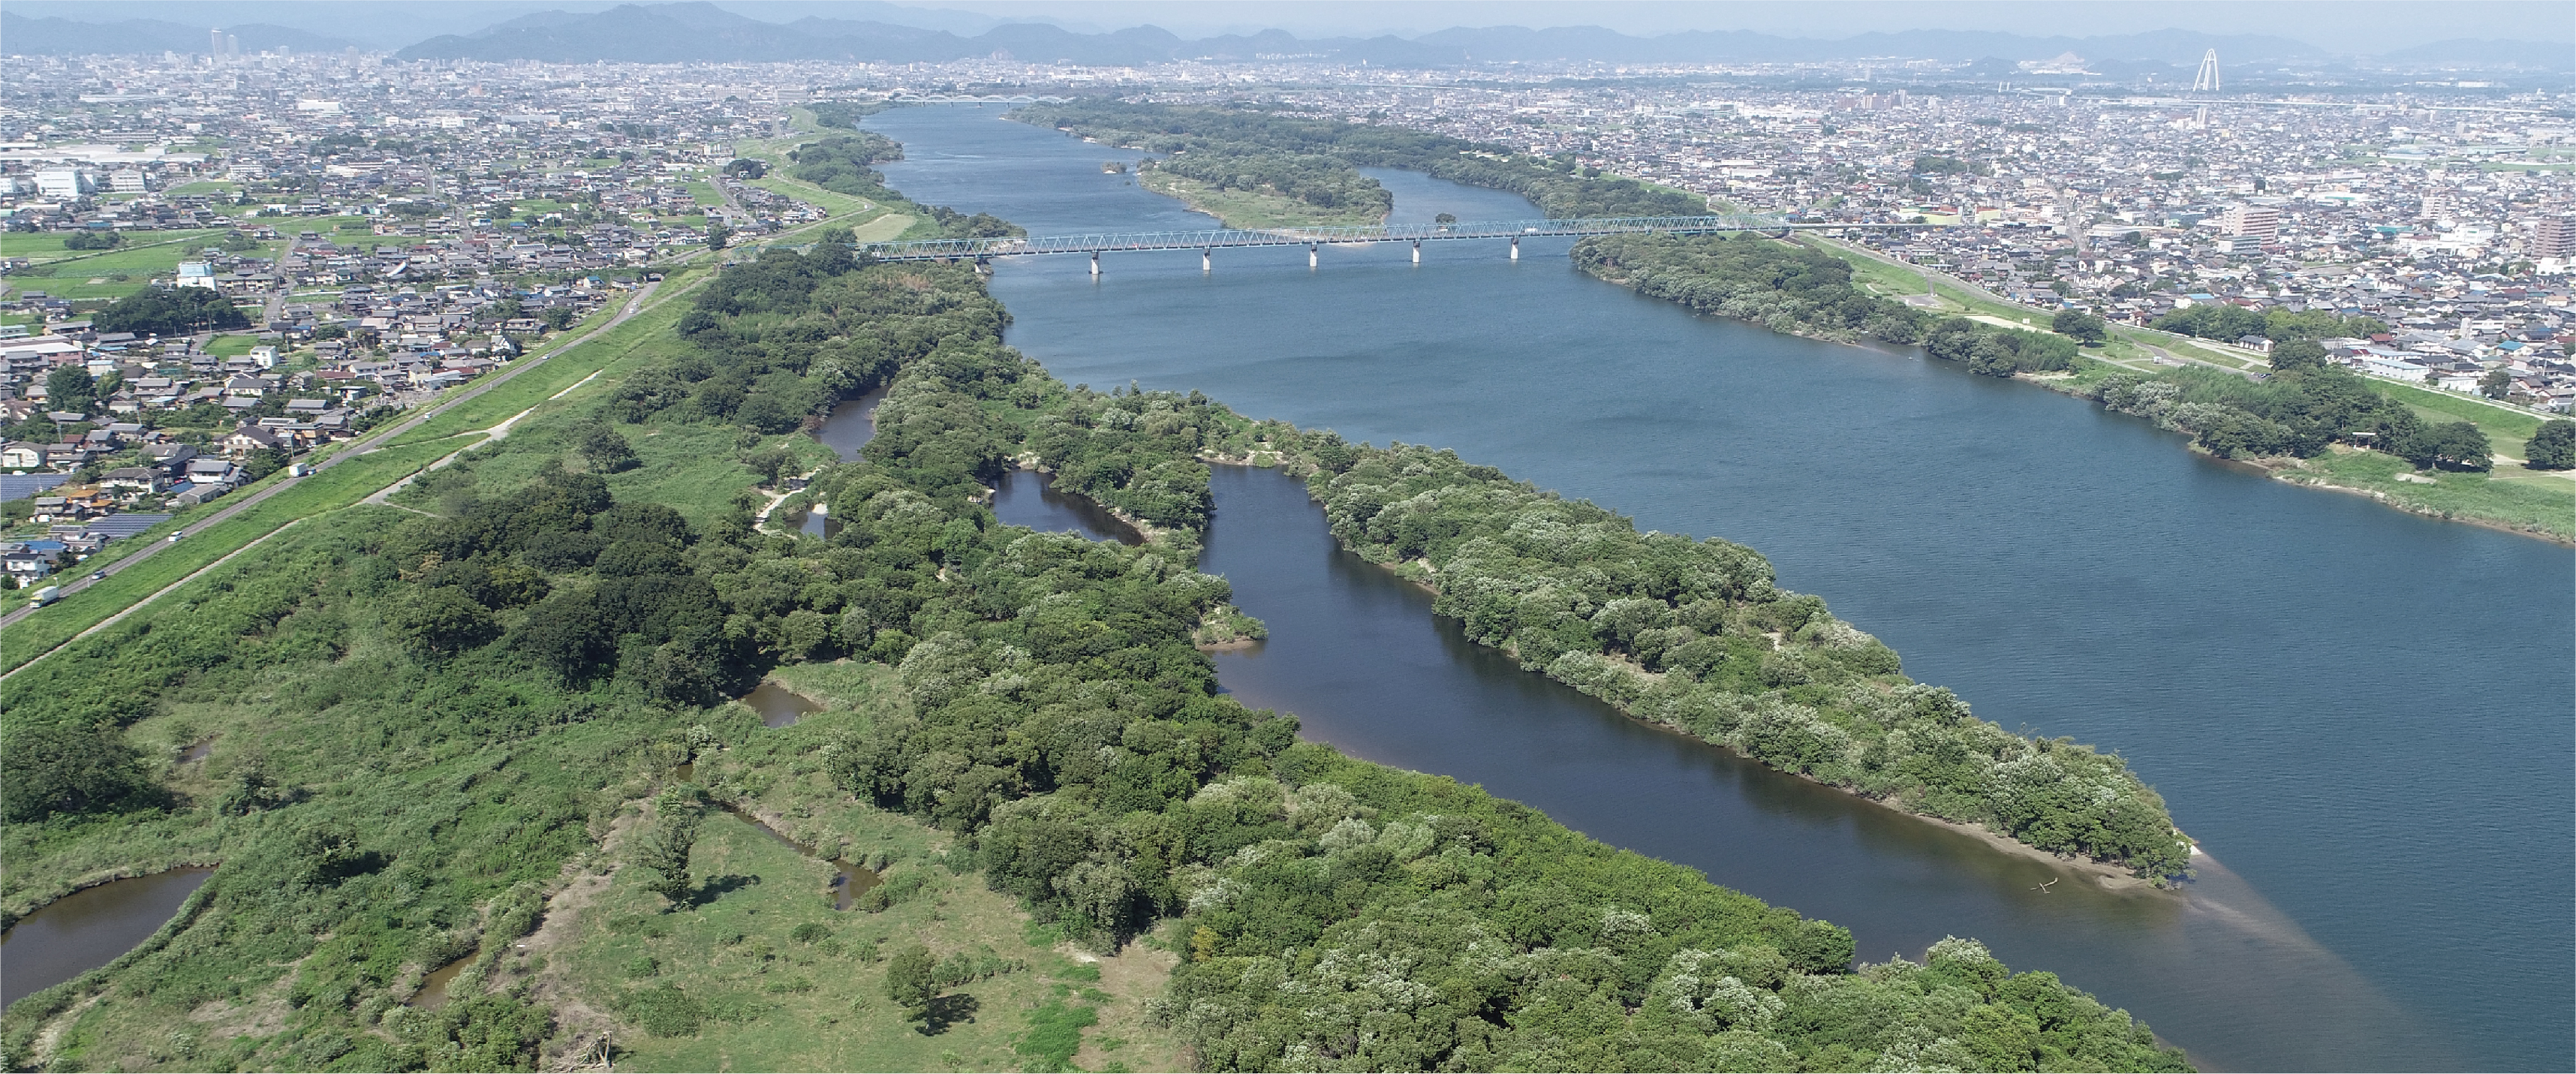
x,y
717,887
946,1011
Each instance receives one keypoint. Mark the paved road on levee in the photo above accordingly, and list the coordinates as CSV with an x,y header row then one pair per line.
x,y
370,442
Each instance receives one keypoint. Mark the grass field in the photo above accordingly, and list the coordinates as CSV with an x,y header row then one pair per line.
x,y
2511,496
774,978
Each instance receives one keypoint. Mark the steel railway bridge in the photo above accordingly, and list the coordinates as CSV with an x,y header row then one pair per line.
x,y
1314,238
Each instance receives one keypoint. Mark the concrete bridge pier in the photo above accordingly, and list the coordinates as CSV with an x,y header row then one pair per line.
x,y
1311,262
1417,251
1095,264
1206,262
1516,248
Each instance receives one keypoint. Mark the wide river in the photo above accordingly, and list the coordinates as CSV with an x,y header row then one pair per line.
x,y
2364,715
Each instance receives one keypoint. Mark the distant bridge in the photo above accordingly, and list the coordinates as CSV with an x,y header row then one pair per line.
x,y
969,98
1097,243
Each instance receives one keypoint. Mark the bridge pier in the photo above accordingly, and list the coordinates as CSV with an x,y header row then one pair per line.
x,y
1516,247
1417,251
1095,264
1311,262
1207,263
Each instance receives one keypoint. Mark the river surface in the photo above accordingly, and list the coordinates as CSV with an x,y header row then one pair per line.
x,y
2364,714
89,928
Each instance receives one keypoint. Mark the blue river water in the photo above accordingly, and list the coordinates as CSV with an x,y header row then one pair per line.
x,y
2364,715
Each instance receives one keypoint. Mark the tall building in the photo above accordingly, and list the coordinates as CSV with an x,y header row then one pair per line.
x,y
215,42
2552,236
2253,221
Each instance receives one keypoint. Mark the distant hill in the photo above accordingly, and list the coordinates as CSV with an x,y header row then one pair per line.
x,y
880,32
20,36
2533,55
1509,43
702,31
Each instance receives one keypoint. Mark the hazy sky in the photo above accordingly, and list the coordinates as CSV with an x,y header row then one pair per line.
x,y
2365,26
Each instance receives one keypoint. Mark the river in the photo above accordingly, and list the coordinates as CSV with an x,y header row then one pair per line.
x,y
2363,714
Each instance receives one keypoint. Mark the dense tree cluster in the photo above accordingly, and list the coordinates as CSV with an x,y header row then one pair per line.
x,y
2228,323
1805,291
1693,634
1322,181
2296,412
171,311
1560,188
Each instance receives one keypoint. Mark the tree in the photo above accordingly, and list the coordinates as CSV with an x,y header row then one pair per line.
x,y
559,318
666,850
912,983
718,235
93,240
603,447
2454,445
443,619
769,463
69,768
70,388
2086,327
2553,447
2298,354
2497,384
265,461
170,311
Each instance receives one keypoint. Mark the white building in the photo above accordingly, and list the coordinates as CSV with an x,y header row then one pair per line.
x,y
62,183
2253,221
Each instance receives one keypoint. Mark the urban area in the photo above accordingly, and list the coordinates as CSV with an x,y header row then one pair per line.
x,y
219,264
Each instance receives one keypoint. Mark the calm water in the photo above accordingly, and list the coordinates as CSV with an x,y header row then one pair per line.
x,y
2363,714
1028,498
779,706
88,929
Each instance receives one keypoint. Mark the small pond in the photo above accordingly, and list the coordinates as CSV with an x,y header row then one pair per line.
x,y
89,928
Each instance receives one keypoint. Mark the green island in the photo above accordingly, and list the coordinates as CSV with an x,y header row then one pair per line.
x,y
478,798
2308,423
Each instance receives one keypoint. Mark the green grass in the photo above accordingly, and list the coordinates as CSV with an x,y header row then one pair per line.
x,y
2505,428
339,486
2511,496
1248,208
819,1003
49,244
638,338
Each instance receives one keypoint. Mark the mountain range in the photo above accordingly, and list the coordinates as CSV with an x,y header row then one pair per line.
x,y
701,31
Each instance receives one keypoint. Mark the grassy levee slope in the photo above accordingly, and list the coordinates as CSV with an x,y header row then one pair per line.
x,y
344,483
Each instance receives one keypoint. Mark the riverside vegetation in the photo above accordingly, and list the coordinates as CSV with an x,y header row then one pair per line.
x,y
432,723
2309,420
